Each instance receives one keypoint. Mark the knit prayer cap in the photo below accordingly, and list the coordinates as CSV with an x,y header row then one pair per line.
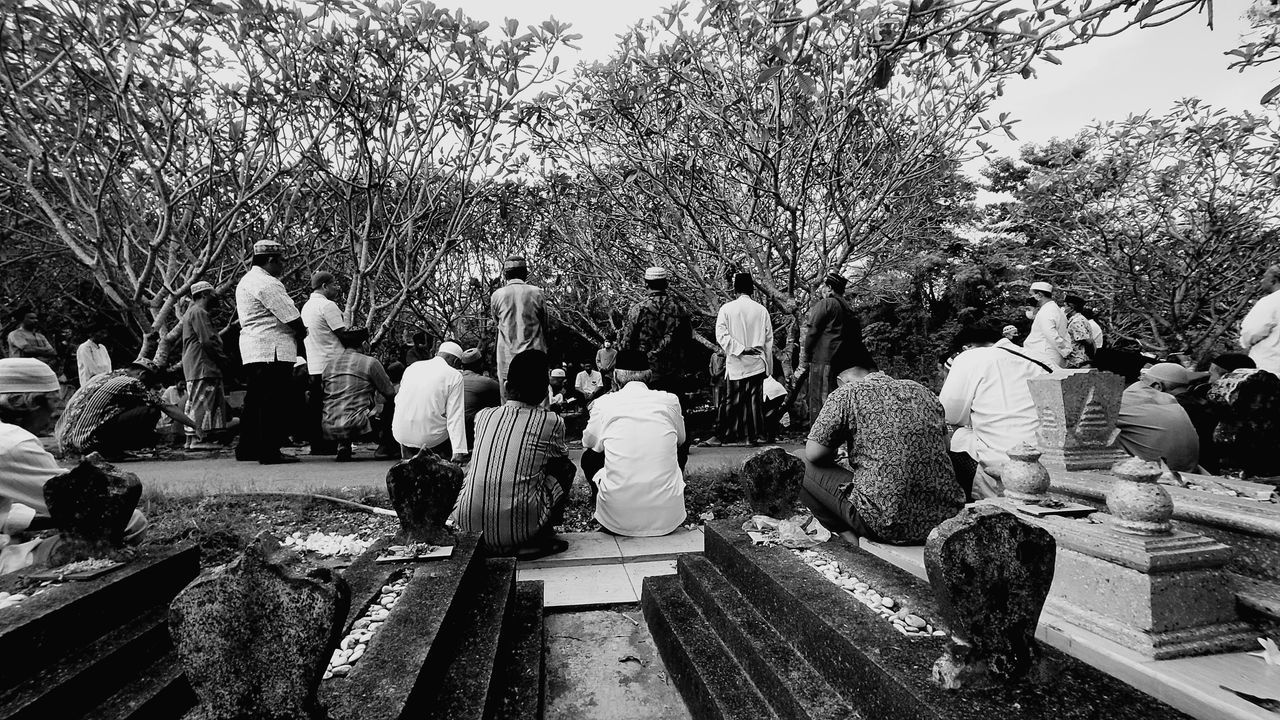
x,y
655,273
268,247
515,261
26,375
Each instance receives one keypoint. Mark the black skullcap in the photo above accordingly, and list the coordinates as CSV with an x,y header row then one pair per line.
x,y
632,361
836,282
352,336
1075,300
743,283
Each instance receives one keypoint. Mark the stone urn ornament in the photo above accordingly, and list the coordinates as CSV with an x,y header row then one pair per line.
x,y
1137,502
1025,479
423,491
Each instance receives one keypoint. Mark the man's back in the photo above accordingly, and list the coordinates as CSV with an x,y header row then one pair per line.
x,y
641,485
1047,340
519,311
987,391
1260,333
744,323
1153,431
199,362
658,327
428,391
480,392
352,382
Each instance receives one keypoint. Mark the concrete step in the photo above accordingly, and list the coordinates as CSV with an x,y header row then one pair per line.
x,y
713,685
519,692
89,675
790,684
61,621
158,692
466,681
883,673
416,635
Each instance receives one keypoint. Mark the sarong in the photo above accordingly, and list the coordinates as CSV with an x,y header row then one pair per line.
x,y
206,405
818,386
743,417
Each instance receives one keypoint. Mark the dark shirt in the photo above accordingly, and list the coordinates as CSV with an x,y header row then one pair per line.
x,y
660,328
478,392
1204,419
203,356
835,336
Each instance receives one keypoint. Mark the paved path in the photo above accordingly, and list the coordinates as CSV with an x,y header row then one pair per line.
x,y
225,475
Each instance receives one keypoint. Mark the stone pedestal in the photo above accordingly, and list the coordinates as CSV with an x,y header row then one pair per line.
x,y
1164,596
1078,414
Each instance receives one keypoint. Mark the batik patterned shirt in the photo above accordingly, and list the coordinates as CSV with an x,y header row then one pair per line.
x,y
660,328
903,483
99,400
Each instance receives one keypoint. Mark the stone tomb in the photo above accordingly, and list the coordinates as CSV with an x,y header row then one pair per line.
x,y
753,632
1078,414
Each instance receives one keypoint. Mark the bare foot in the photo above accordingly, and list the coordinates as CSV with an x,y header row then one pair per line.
x,y
850,537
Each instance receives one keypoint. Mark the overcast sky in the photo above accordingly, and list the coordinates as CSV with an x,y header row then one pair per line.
x,y
1108,79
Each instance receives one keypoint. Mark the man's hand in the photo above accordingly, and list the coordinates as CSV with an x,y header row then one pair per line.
x,y
753,351
460,458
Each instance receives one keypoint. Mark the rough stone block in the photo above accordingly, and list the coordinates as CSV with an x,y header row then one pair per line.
x,y
771,480
91,505
423,491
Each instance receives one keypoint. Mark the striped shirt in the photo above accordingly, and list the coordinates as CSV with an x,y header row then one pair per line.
x,y
352,382
511,484
99,400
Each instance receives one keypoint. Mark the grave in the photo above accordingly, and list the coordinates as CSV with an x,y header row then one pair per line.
x,y
754,632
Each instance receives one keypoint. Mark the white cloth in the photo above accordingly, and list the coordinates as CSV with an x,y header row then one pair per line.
x,y
987,395
1260,333
431,407
741,325
641,486
1047,341
265,311
588,382
321,316
773,389
92,360
1095,334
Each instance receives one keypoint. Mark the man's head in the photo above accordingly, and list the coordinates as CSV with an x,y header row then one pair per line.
x,y
352,338
557,379
655,278
527,377
326,284
29,394
1270,279
743,283
1167,377
98,334
835,283
1010,332
977,335
1073,304
1041,293
472,360
451,353
269,255
515,268
607,344
145,370
419,339
30,320
1226,362
632,366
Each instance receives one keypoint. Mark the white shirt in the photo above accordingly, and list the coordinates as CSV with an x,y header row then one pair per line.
x,y
987,395
641,486
1047,341
588,382
1260,333
431,407
321,316
741,325
265,312
92,360
25,466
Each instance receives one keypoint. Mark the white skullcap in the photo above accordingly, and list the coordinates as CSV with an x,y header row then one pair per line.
x,y
1042,286
199,287
558,372
655,273
26,375
268,247
448,347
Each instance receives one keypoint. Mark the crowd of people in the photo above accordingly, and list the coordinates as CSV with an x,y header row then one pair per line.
x,y
885,458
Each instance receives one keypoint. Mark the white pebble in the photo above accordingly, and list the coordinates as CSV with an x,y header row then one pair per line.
x,y
887,602
341,670
939,633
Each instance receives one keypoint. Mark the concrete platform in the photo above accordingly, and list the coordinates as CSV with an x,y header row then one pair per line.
x,y
603,569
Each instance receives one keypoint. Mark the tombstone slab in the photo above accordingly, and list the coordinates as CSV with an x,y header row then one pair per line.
x,y
254,636
1248,401
91,506
1077,414
990,574
423,491
771,480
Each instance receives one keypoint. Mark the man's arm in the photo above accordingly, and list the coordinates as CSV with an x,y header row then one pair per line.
x,y
727,341
382,381
333,316
768,344
591,439
1057,331
210,340
958,391
456,419
31,349
1257,325
178,416
299,334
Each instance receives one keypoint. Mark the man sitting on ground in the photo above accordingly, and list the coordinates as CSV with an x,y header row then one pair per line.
x,y
1153,426
479,390
987,399
29,397
900,484
352,382
118,412
431,407
633,453
518,483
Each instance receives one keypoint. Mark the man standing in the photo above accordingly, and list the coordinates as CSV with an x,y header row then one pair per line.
x,y
431,407
1079,332
26,341
352,383
1047,341
659,327
901,484
271,339
520,313
204,360
323,318
987,399
92,358
745,333
1260,329
632,454
605,359
832,344
479,391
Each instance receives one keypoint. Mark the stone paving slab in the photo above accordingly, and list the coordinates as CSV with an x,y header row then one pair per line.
x,y
638,571
588,548
660,548
583,585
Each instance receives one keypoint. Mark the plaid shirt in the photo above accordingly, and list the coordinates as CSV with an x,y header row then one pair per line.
x,y
352,383
99,400
265,311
